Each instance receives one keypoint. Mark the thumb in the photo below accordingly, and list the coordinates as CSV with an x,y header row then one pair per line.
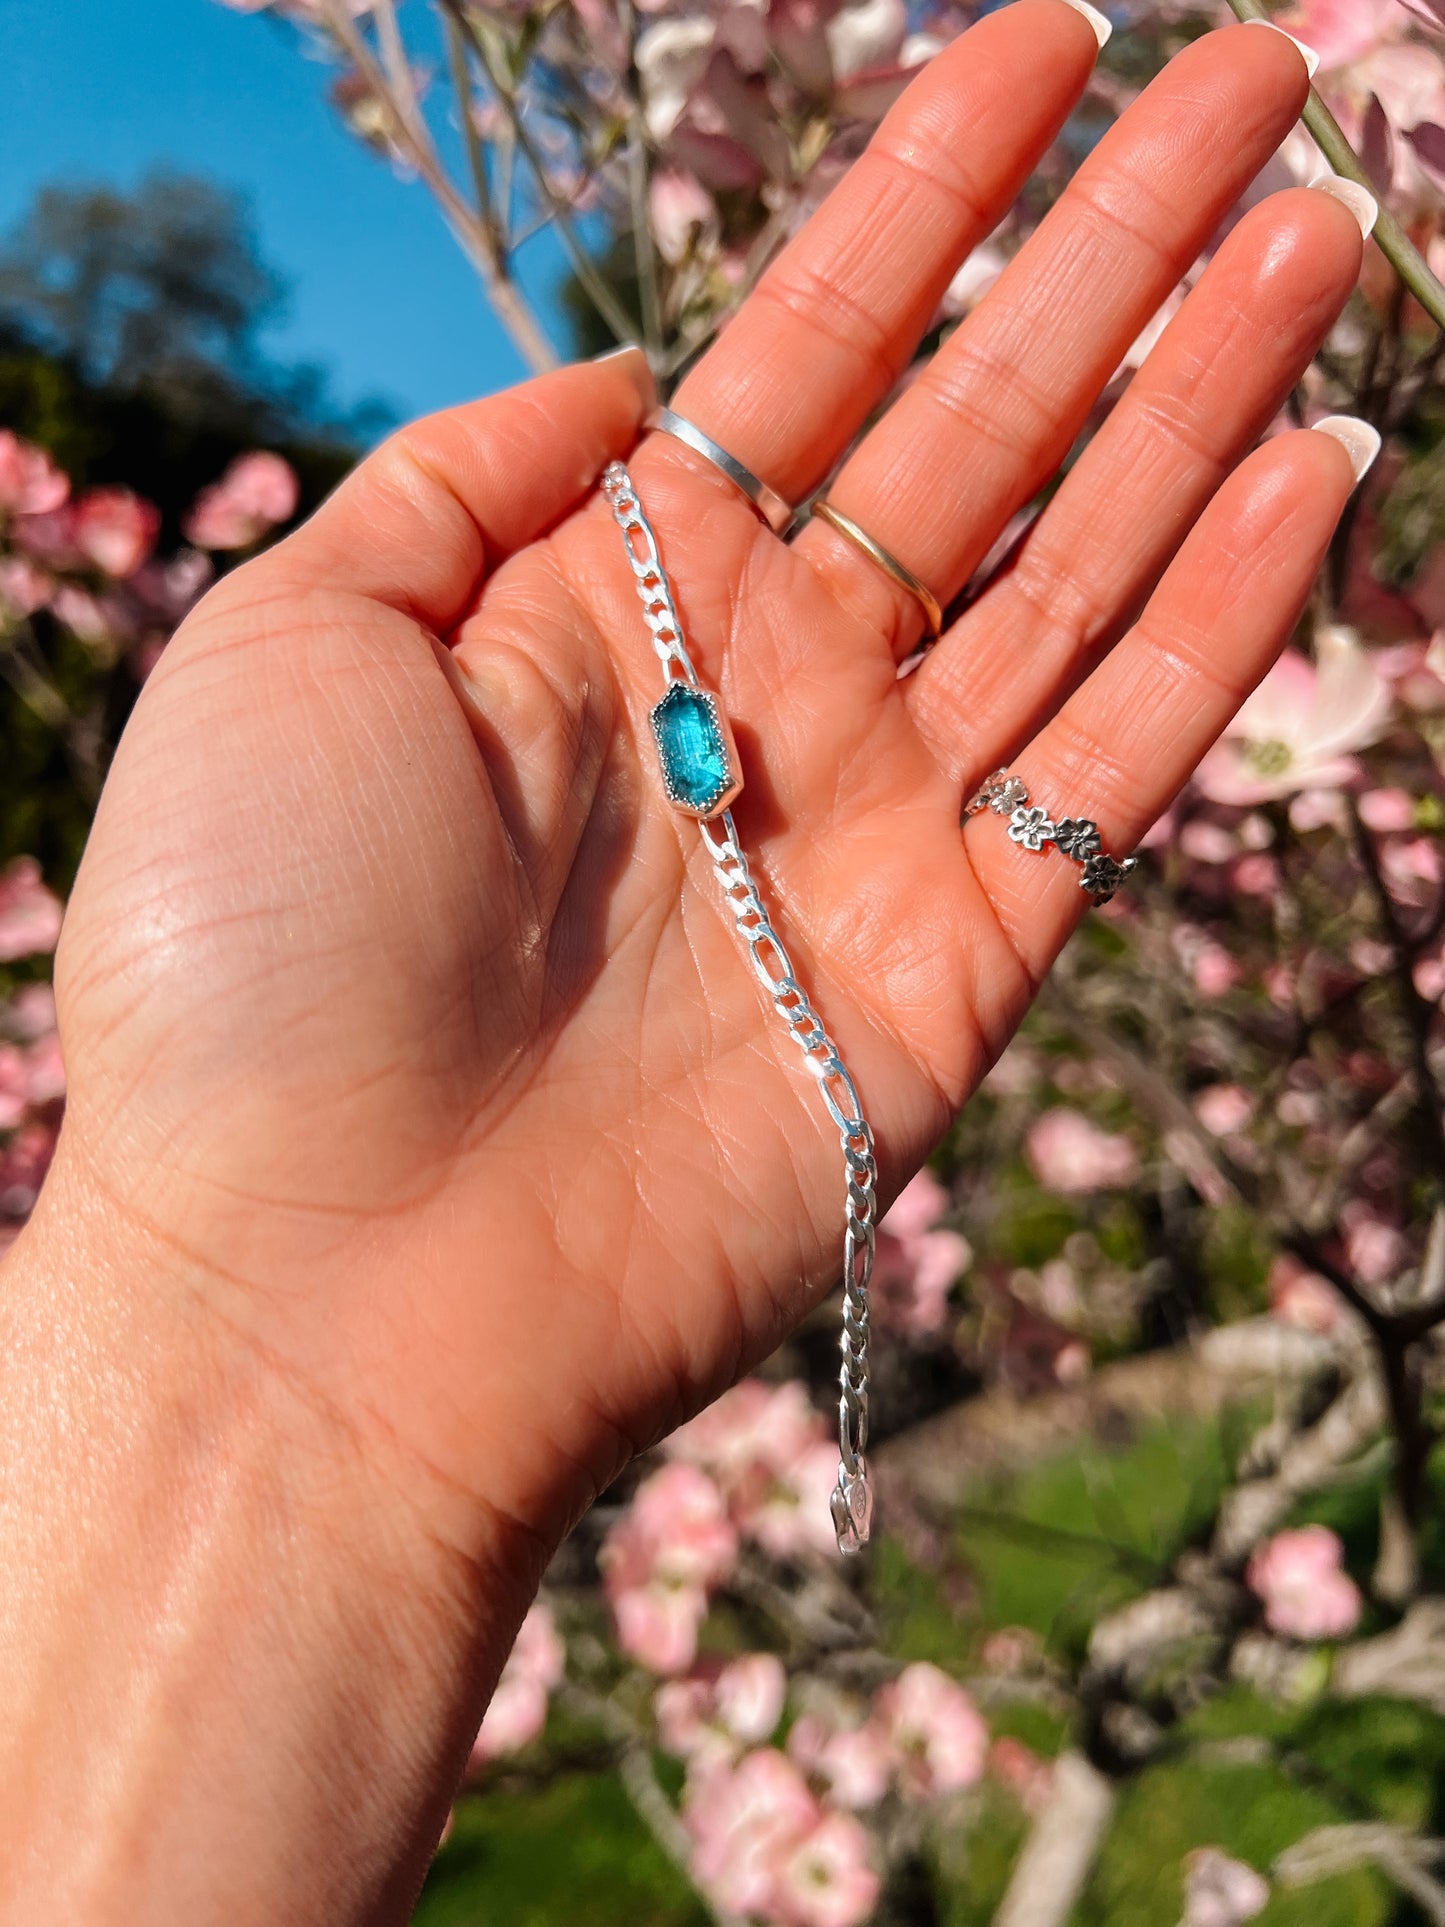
x,y
421,522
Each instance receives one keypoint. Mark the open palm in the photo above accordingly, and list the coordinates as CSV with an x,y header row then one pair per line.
x,y
402,1013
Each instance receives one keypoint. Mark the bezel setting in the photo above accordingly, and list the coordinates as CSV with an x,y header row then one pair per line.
x,y
723,748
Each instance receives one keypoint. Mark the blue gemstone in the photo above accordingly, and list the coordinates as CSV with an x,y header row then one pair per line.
x,y
691,748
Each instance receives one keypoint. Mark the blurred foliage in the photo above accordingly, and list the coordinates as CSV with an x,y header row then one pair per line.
x,y
130,351
525,1859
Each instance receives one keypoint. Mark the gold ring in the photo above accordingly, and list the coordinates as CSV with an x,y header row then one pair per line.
x,y
890,565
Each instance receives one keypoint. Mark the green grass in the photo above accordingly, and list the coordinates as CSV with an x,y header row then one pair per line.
x,y
557,1856
1252,1812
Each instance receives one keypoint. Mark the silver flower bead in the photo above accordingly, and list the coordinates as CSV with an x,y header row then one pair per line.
x,y
1102,876
1078,837
1010,794
1032,827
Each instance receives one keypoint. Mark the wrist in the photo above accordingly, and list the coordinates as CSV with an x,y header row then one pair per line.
x,y
216,1584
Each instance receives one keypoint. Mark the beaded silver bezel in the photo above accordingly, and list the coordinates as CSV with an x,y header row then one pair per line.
x,y
730,786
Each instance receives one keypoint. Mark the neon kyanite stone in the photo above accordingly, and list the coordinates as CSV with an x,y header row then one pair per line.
x,y
695,750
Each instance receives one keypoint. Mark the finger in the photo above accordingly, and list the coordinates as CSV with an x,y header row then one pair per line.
x,y
837,317
1211,385
997,410
421,521
1128,740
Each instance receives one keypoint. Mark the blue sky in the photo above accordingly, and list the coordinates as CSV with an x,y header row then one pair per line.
x,y
96,90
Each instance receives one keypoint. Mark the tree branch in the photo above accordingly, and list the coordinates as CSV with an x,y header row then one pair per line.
x,y
1050,1873
602,297
476,239
1394,243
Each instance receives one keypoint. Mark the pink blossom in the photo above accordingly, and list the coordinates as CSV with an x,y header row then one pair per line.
x,y
24,586
918,1206
682,1709
49,537
167,590
115,529
1207,842
1370,956
1223,1108
1386,810
1376,1250
1317,810
1301,726
14,1087
1020,1769
854,1763
1341,31
32,1012
792,1520
915,1263
29,914
1162,831
672,57
750,1695
680,209
752,1423
765,1849
1302,1298
1255,875
1073,1362
1220,1892
826,1880
770,1454
1429,975
30,483
1214,970
658,1623
864,36
44,1072
938,1732
717,1713
744,1821
1298,1577
518,1709
671,1545
93,618
1408,862
257,492
1071,1155
24,1160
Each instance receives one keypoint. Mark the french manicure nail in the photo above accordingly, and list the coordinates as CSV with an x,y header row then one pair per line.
x,y
1101,23
1311,58
1359,200
1358,439
638,368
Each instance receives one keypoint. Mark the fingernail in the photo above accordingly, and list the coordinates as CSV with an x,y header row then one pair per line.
x,y
1311,58
1101,24
634,362
1359,200
1359,441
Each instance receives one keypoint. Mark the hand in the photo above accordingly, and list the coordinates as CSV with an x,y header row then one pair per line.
x,y
408,1034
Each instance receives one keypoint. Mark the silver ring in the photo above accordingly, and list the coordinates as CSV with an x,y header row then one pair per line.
x,y
767,501
1033,827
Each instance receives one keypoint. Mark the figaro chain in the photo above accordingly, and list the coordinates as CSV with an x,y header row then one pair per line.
x,y
851,1501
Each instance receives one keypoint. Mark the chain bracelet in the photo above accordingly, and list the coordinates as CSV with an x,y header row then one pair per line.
x,y
707,797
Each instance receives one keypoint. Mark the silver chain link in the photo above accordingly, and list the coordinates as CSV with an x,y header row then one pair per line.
x,y
851,1502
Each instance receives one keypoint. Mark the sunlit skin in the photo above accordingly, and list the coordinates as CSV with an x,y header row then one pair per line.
x,y
430,1149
